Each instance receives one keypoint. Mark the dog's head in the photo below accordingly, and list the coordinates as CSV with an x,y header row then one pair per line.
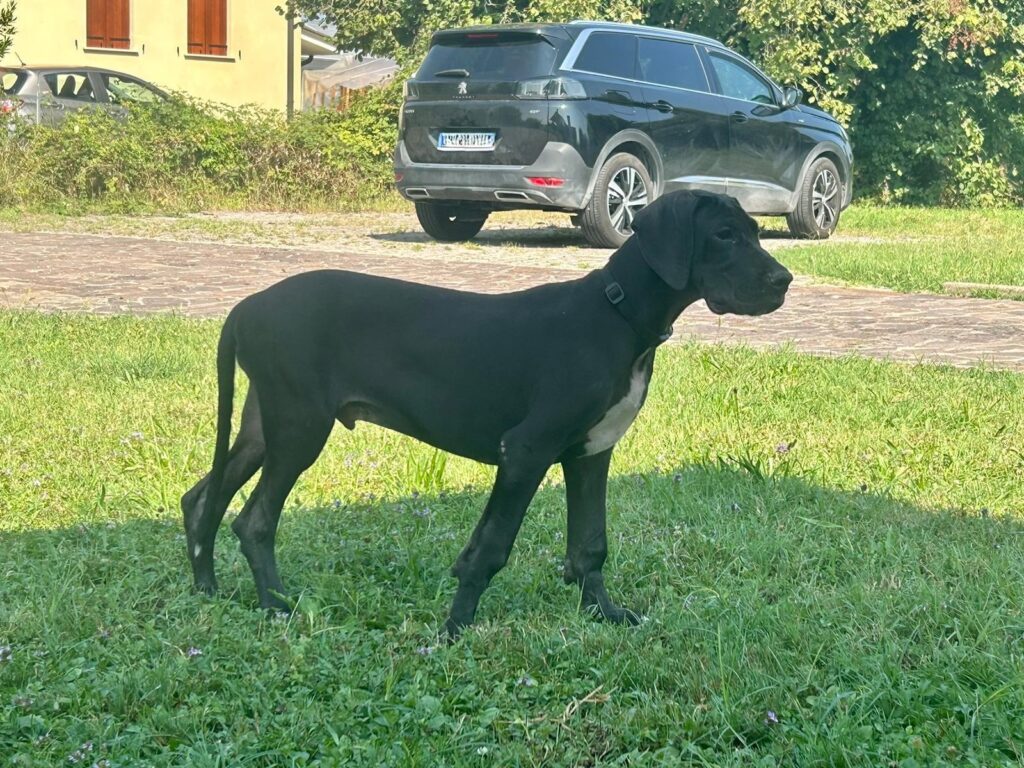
x,y
707,243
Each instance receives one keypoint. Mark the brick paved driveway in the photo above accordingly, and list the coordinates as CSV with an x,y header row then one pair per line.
x,y
90,273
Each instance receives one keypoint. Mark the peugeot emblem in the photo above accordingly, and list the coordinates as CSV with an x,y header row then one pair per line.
x,y
462,88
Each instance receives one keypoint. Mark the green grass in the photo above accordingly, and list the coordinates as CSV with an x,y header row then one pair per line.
x,y
917,249
836,542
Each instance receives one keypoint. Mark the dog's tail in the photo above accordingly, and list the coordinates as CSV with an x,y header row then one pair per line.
x,y
225,403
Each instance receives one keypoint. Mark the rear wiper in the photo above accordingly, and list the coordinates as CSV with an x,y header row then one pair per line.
x,y
452,73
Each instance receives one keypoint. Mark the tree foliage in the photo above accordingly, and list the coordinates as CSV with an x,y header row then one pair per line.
x,y
7,20
932,91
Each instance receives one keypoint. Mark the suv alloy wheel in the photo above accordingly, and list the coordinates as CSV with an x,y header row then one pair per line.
x,y
623,187
821,194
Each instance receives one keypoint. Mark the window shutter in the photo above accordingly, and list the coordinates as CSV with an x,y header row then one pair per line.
x,y
207,27
107,24
118,30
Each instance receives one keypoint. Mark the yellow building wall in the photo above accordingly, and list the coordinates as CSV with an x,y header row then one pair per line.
x,y
52,32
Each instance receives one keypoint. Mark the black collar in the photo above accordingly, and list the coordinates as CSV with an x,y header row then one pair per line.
x,y
617,298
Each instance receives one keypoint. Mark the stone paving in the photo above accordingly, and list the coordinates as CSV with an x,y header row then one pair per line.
x,y
106,275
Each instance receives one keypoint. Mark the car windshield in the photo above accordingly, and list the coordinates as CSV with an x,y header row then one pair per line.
x,y
490,58
122,90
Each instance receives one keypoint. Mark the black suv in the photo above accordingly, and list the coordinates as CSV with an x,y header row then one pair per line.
x,y
596,119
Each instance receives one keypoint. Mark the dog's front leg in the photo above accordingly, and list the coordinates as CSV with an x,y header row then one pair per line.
x,y
519,475
586,486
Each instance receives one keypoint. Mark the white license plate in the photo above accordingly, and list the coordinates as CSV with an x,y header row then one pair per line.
x,y
465,142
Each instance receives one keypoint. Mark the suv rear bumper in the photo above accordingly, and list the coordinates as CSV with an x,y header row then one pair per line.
x,y
498,186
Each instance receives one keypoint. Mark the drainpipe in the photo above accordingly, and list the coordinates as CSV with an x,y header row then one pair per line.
x,y
290,18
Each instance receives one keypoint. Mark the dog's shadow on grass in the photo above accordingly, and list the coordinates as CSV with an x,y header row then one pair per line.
x,y
698,529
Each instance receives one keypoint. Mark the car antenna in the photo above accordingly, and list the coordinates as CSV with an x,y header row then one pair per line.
x,y
20,59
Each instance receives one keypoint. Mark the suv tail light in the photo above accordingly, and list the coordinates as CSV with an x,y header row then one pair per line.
x,y
551,88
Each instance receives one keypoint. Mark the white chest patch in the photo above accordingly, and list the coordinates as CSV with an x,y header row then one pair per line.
x,y
610,429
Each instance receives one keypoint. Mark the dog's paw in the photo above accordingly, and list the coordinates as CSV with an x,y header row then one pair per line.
x,y
452,631
206,586
614,614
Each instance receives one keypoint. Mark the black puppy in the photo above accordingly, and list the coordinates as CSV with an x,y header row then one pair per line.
x,y
521,380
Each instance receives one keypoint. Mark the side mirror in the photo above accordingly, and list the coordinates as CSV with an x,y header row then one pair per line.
x,y
791,97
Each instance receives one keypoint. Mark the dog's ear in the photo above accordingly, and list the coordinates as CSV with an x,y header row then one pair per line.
x,y
668,236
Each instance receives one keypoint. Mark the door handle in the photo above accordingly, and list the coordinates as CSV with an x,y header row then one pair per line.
x,y
739,117
663,106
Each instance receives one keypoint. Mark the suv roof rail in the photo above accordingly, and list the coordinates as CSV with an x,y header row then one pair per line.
x,y
688,36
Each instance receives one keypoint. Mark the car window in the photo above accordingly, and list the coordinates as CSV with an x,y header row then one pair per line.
x,y
740,82
491,59
126,90
11,82
666,62
608,53
70,85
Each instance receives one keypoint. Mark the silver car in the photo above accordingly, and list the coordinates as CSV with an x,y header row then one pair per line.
x,y
46,95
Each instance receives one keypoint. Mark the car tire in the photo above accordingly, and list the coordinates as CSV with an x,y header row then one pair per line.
x,y
450,222
819,205
622,188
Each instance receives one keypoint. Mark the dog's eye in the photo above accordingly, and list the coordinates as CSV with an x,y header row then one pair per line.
x,y
725,233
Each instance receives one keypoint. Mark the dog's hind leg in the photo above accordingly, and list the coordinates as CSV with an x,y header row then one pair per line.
x,y
586,486
294,439
519,475
244,458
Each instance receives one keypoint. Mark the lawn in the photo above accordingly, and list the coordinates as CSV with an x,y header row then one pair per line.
x,y
917,249
828,553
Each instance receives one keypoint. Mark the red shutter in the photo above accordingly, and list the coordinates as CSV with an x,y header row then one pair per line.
x,y
107,24
117,23
208,27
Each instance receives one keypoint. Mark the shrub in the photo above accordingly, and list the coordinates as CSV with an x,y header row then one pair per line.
x,y
186,154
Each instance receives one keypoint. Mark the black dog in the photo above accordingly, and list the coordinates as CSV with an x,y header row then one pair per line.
x,y
522,380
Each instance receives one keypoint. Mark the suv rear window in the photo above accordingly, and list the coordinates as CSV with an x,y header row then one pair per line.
x,y
665,62
608,53
489,57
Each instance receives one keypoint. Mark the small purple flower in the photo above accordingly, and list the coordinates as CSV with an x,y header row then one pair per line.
x,y
23,702
426,650
6,654
770,718
192,652
782,448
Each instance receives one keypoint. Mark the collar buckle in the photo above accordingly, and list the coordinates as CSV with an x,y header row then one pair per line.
x,y
614,292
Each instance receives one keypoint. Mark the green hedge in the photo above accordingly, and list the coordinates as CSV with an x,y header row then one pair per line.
x,y
188,155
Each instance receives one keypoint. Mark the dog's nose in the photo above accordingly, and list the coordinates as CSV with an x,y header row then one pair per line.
x,y
780,278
